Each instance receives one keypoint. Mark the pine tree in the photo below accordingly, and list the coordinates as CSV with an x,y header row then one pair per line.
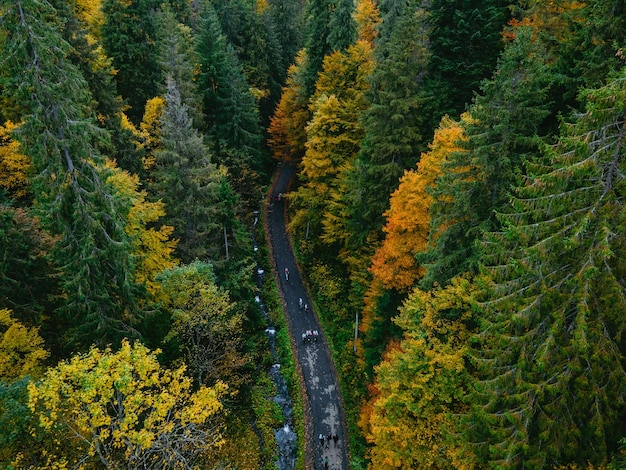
x,y
551,355
230,113
188,183
465,43
317,20
342,26
393,121
129,39
507,118
74,200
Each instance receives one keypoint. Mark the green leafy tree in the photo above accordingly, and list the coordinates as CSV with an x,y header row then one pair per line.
x,y
205,323
22,350
422,383
123,410
73,197
551,357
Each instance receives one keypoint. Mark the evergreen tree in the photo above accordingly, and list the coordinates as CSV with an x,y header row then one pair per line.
x,y
465,42
73,198
129,39
188,183
177,58
506,121
230,113
551,358
342,26
393,122
287,19
82,30
317,21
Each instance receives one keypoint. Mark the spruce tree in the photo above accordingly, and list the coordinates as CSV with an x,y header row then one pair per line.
x,y
188,183
230,113
393,122
129,39
465,42
73,199
551,358
506,121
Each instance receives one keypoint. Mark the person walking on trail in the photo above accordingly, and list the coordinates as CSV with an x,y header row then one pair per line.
x,y
300,303
286,274
335,439
321,438
306,308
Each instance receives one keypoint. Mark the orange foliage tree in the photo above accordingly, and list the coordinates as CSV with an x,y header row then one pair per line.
x,y
408,217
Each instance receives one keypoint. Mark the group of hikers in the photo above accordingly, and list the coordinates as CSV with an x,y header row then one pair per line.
x,y
309,336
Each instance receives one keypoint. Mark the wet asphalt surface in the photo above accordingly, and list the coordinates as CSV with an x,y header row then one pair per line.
x,y
323,407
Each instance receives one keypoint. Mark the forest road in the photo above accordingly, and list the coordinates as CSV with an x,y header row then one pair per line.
x,y
323,405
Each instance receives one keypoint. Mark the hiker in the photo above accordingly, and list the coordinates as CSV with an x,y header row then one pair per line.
x,y
328,438
321,438
286,274
300,303
335,439
306,308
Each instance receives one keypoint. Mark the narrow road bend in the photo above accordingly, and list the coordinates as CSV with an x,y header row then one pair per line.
x,y
323,405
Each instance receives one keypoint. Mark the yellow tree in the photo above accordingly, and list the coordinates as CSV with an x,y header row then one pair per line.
x,y
152,246
15,167
205,323
150,132
408,216
394,265
421,383
368,20
333,139
22,350
121,409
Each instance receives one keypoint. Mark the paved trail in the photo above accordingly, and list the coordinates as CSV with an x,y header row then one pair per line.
x,y
322,395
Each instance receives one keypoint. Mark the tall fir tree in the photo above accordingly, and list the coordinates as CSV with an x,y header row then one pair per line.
x,y
188,183
506,122
465,43
129,39
73,198
551,355
393,121
317,21
230,112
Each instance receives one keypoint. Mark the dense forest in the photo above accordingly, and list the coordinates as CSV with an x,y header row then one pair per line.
x,y
457,199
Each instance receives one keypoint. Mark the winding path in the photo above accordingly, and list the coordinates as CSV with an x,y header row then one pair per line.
x,y
322,399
